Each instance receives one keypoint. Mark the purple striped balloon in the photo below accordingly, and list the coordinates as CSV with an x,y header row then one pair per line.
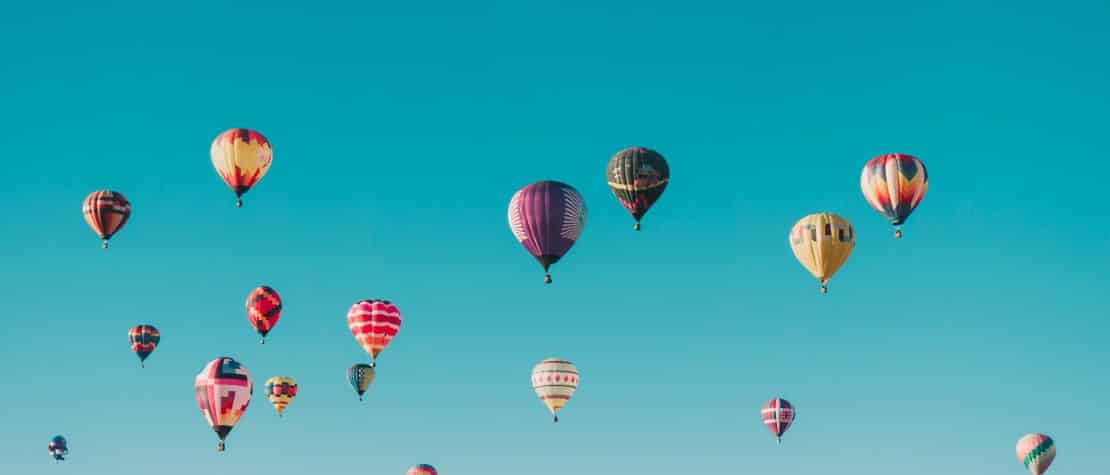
x,y
547,217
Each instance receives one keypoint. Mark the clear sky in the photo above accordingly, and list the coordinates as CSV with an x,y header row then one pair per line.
x,y
401,130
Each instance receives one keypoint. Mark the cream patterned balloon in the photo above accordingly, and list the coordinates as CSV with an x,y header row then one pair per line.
x,y
555,381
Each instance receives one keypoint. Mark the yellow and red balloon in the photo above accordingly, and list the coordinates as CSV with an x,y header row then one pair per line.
x,y
241,157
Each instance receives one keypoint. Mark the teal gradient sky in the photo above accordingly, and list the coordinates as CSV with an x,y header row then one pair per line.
x,y
400,131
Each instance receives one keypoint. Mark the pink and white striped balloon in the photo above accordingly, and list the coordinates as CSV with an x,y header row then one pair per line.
x,y
374,323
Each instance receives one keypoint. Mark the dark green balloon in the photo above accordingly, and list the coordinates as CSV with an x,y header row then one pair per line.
x,y
637,176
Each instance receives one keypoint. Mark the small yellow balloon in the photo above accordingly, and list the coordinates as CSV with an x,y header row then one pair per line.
x,y
241,157
281,390
822,242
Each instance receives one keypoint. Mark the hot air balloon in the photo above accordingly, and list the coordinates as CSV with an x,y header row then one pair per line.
x,y
554,381
894,185
143,338
241,157
360,376
777,415
374,323
822,242
223,392
422,469
547,217
58,448
106,212
263,310
637,176
1036,451
281,390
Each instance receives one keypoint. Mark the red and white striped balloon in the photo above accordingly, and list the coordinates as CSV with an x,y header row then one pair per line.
x,y
374,323
777,415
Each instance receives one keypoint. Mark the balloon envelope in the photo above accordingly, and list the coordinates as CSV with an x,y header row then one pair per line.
x,y
281,390
547,217
1036,452
58,448
422,469
360,376
894,185
777,415
637,176
143,338
106,212
555,381
263,309
821,243
374,323
241,157
223,390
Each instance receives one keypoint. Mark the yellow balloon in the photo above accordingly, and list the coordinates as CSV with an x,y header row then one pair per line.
x,y
281,390
241,157
822,242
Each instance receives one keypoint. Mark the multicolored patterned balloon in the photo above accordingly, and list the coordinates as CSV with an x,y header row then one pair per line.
x,y
143,338
224,391
374,323
547,217
263,310
777,415
106,212
241,157
281,390
58,448
422,469
555,381
894,185
360,376
1036,451
637,176
822,242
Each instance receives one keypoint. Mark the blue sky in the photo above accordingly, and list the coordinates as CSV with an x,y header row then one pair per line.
x,y
400,132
